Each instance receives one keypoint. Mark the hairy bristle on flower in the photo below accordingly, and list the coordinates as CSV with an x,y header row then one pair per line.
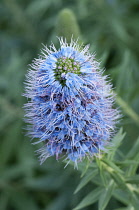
x,y
70,106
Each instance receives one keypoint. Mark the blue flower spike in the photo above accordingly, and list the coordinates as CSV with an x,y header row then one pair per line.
x,y
70,103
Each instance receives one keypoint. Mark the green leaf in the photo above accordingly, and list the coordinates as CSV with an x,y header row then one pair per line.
x,y
87,165
91,198
122,196
116,142
106,195
102,171
133,179
135,201
118,178
133,154
128,110
126,198
126,208
86,179
112,165
127,162
134,150
117,175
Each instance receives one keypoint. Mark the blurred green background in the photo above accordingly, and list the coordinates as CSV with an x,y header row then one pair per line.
x,y
111,27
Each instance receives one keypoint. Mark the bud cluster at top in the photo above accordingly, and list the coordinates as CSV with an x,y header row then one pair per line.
x,y
63,66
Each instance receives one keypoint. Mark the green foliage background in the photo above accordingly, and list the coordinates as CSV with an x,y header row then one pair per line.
x,y
111,27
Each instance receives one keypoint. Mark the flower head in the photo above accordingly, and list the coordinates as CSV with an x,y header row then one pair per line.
x,y
70,106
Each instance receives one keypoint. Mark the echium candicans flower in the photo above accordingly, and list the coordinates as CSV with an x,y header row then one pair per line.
x,y
70,106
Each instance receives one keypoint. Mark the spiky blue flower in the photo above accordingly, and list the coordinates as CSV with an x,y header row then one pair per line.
x,y
70,103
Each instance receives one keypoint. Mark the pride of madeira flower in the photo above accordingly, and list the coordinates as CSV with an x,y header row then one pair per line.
x,y
70,103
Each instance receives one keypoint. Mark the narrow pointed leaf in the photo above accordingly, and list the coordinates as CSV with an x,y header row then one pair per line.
x,y
134,150
117,140
112,165
125,208
122,196
106,195
86,179
133,179
91,198
102,171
